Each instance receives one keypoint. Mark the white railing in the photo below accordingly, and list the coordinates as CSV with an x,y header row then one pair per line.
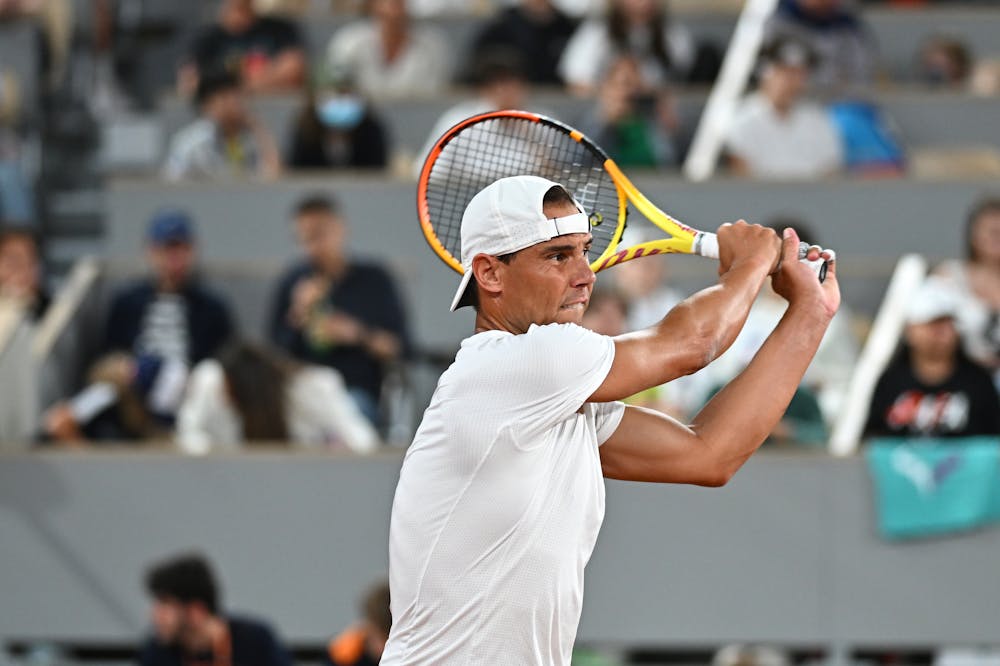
x,y
741,56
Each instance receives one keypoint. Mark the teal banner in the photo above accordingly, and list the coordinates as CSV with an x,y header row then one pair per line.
x,y
934,487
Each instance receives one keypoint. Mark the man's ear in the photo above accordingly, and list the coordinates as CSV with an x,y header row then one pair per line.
x,y
488,271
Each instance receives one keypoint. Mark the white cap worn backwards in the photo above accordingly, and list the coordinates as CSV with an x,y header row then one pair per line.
x,y
506,216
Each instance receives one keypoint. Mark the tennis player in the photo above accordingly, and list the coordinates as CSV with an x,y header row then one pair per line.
x,y
501,494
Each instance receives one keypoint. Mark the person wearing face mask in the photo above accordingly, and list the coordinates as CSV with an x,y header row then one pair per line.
x,y
337,128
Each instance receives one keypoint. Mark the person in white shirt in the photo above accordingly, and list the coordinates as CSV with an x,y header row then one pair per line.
x,y
252,395
501,495
776,134
388,56
641,28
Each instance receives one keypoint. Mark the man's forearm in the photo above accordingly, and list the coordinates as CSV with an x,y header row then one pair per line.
x,y
741,416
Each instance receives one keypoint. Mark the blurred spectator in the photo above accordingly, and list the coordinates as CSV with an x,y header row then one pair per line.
x,y
252,394
127,398
943,61
189,626
846,49
363,643
170,315
338,128
331,309
931,388
664,49
500,84
536,30
265,52
985,80
226,140
976,281
16,196
776,133
55,25
608,314
21,277
634,125
390,57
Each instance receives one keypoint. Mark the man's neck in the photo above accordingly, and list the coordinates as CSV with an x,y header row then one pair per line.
x,y
933,370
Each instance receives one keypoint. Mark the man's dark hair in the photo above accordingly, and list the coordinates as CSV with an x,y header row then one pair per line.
x,y
212,83
317,203
375,607
498,64
186,578
982,207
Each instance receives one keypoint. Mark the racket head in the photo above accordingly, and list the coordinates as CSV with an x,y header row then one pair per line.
x,y
487,147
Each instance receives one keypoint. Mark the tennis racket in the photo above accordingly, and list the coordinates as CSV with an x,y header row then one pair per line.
x,y
499,144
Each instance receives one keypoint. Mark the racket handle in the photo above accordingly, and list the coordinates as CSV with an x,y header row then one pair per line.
x,y
706,244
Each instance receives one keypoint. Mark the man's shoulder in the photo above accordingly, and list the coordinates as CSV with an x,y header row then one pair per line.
x,y
154,653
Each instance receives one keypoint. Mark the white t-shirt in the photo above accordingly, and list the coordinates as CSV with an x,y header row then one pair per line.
x,y
802,145
422,69
591,50
499,502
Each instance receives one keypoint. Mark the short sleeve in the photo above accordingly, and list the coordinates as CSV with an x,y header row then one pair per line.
x,y
607,418
559,366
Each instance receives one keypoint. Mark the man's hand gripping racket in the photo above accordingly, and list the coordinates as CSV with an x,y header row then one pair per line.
x,y
499,144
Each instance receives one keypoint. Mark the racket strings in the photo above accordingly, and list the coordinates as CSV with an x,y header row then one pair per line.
x,y
500,147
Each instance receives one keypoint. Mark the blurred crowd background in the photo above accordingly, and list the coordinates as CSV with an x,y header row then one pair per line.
x,y
208,237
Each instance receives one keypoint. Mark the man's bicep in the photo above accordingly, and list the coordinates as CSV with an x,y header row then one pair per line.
x,y
642,362
651,446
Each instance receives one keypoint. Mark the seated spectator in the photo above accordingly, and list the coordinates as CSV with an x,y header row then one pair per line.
x,y
189,626
334,310
931,388
845,46
976,281
171,315
500,84
390,57
21,277
253,395
778,134
265,52
363,643
338,128
664,49
225,141
128,398
16,191
634,125
944,62
534,29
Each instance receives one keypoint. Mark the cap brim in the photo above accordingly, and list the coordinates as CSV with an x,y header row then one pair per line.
x,y
461,297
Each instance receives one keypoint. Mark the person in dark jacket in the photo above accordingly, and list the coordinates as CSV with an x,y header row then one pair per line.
x,y
170,315
190,628
338,128
331,309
